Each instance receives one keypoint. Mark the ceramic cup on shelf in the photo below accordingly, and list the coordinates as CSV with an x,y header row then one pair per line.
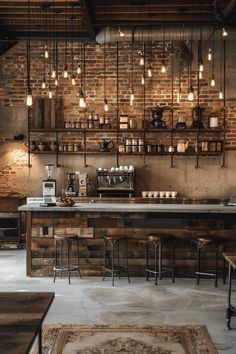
x,y
173,194
162,194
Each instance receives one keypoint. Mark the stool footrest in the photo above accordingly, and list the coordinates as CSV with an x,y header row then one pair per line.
x,y
163,270
65,268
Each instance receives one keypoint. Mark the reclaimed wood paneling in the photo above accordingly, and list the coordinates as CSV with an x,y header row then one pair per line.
x,y
136,226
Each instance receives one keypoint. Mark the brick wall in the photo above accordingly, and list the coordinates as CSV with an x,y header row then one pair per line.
x,y
157,89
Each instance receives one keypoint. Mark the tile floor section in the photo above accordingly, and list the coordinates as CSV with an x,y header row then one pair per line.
x,y
91,300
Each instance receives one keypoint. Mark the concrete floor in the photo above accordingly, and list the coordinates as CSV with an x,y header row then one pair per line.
x,y
91,300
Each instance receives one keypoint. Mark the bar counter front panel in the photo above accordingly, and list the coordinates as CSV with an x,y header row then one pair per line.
x,y
93,221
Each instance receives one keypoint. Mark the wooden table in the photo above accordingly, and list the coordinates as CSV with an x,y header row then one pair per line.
x,y
21,318
231,310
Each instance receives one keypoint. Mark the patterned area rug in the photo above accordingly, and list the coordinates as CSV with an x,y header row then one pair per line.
x,y
123,339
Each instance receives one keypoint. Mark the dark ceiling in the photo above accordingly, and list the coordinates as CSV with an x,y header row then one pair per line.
x,y
85,18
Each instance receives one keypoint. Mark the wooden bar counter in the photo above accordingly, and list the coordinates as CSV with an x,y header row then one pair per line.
x,y
92,219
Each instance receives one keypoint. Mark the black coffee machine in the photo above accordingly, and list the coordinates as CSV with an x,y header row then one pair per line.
x,y
157,121
197,113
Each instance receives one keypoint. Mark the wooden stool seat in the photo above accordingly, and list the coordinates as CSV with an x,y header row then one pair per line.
x,y
157,241
205,240
112,265
65,240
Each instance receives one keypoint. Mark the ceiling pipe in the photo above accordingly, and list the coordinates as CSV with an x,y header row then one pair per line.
x,y
229,8
172,32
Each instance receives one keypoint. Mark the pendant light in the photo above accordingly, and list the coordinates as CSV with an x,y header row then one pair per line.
x,y
121,33
44,74
106,107
65,71
132,74
190,89
224,32
212,82
79,46
163,64
44,59
72,48
56,52
50,93
82,100
53,72
29,98
200,61
209,55
221,95
141,60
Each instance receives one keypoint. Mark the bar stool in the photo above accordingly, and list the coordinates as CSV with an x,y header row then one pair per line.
x,y
216,243
60,265
112,264
158,270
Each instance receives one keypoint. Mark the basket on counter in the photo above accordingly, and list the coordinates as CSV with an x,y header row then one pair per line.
x,y
64,202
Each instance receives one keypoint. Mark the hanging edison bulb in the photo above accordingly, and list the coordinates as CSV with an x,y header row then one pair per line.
x,y
81,99
200,74
212,83
78,69
65,72
141,60
46,54
50,92
106,108
149,72
73,80
131,98
44,83
200,66
54,74
209,55
163,67
224,32
221,96
56,82
142,80
29,98
121,33
190,93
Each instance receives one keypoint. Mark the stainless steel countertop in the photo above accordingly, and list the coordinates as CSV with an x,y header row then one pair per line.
x,y
137,208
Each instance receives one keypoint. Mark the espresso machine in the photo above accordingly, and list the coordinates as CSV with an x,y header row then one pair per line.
x,y
70,190
49,185
116,181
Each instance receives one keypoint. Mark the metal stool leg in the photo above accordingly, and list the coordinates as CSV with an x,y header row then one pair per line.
x,y
147,260
68,245
112,262
127,259
155,257
216,265
173,261
61,261
105,258
198,261
160,260
78,256
118,255
55,261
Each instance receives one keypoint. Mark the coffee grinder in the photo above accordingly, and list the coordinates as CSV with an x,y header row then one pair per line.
x,y
49,185
70,190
